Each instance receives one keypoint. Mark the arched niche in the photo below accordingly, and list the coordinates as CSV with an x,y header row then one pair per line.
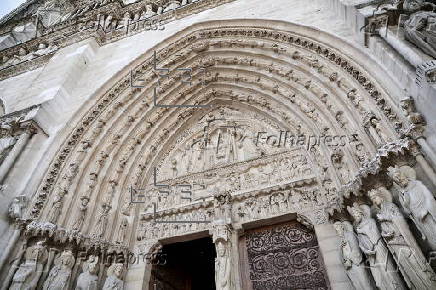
x,y
267,75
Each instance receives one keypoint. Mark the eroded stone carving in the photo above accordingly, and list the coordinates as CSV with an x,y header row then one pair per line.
x,y
16,207
381,264
102,221
29,272
60,274
419,28
417,201
114,275
401,243
80,213
352,257
88,280
223,260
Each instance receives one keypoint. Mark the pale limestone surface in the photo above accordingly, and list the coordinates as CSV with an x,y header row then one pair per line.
x,y
70,83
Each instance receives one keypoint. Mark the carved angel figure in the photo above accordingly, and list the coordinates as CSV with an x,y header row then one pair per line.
x,y
114,275
88,279
372,245
418,202
406,251
352,257
60,274
29,272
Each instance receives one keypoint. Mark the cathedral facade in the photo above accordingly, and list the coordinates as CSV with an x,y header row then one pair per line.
x,y
218,144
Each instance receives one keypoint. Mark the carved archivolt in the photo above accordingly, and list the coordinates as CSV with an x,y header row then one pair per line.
x,y
249,74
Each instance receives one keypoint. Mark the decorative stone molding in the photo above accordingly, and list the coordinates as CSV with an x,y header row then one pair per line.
x,y
107,21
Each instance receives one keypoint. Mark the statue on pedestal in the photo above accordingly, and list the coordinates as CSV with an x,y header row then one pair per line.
x,y
352,257
371,243
417,201
60,274
400,241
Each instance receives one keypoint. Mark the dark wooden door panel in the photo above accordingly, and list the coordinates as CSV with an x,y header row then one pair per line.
x,y
281,257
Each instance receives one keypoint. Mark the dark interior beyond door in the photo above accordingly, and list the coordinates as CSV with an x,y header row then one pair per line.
x,y
189,266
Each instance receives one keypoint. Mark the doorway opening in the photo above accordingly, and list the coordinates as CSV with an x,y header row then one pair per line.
x,y
188,266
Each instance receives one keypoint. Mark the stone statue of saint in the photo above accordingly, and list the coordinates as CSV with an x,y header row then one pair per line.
x,y
60,274
371,243
56,206
102,221
81,213
418,202
114,275
400,241
122,230
352,257
222,265
420,28
88,280
29,272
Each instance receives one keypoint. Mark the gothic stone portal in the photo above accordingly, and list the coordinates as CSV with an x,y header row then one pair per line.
x,y
282,257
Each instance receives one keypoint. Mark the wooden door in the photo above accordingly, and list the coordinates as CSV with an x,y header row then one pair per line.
x,y
281,257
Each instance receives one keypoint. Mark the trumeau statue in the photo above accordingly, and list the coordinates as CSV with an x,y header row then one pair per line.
x,y
420,28
370,242
352,257
223,260
29,272
400,241
114,275
60,274
88,280
417,201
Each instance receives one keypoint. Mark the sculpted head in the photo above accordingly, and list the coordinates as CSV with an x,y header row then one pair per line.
x,y
402,175
221,248
91,265
375,197
67,259
356,212
85,200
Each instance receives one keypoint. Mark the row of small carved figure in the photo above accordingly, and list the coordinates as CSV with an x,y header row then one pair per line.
x,y
31,271
383,235
107,24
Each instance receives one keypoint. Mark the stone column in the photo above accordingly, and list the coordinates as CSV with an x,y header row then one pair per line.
x,y
139,269
329,245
